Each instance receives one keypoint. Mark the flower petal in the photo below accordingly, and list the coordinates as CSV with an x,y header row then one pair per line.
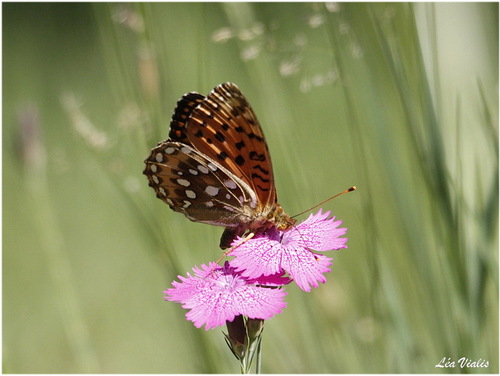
x,y
306,268
321,234
257,256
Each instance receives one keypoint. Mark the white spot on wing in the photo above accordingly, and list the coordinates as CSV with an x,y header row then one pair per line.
x,y
186,150
187,204
159,157
203,169
153,168
212,191
155,179
183,182
190,194
193,172
212,167
230,184
169,150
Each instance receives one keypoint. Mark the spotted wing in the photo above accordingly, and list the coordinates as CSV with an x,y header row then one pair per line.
x,y
183,110
201,189
224,127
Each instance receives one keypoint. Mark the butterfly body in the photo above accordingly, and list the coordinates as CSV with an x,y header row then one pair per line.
x,y
215,167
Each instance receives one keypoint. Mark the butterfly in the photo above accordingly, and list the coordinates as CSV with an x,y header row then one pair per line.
x,y
215,168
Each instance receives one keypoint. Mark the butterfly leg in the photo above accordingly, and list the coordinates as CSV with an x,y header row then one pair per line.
x,y
226,253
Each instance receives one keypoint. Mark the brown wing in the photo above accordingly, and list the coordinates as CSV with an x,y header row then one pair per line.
x,y
224,127
198,187
183,110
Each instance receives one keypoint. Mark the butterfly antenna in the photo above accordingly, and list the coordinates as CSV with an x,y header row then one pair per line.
x,y
328,199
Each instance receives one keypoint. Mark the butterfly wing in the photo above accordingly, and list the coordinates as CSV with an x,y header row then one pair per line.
x,y
224,127
196,186
183,110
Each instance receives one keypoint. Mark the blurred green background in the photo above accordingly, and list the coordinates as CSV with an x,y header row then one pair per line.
x,y
398,99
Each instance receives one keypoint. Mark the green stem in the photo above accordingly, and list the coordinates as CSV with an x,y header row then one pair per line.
x,y
258,364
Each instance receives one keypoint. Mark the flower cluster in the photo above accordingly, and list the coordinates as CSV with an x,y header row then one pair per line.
x,y
249,285
216,294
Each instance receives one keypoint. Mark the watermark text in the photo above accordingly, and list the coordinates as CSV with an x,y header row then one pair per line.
x,y
463,362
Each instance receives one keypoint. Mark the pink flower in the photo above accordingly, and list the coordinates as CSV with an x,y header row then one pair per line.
x,y
291,251
216,294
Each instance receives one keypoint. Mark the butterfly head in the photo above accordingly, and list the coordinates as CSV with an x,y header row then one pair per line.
x,y
283,221
272,216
